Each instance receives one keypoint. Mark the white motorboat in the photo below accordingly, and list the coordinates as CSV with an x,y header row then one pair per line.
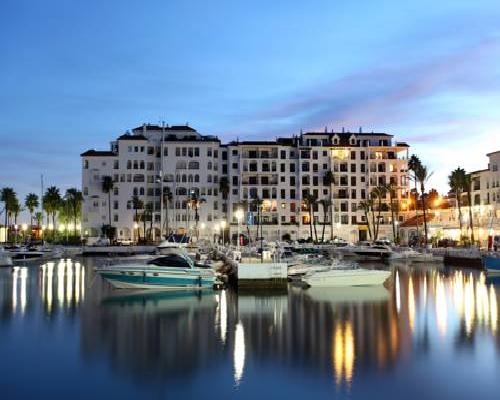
x,y
28,253
349,294
5,258
411,255
169,247
175,271
337,277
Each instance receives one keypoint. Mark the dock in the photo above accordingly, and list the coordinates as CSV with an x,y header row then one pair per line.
x,y
123,251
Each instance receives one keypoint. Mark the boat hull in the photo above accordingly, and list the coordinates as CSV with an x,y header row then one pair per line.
x,y
492,264
343,278
158,278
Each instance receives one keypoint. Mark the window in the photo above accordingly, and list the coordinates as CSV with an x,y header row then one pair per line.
x,y
116,165
85,191
194,165
86,164
283,194
283,154
209,152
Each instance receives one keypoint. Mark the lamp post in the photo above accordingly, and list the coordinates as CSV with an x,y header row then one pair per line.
x,y
24,227
239,217
223,227
136,228
216,232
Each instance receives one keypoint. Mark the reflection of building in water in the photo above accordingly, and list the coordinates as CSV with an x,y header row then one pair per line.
x,y
62,284
450,304
154,335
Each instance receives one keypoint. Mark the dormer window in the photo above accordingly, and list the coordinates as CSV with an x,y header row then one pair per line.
x,y
352,140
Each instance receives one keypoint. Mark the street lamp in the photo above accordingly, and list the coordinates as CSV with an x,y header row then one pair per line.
x,y
216,231
223,226
239,216
136,228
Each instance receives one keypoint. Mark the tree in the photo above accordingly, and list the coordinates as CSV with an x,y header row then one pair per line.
x,y
107,187
74,197
148,216
51,202
8,196
329,180
309,200
137,204
167,200
414,164
456,181
39,218
195,202
325,204
378,193
422,174
367,207
31,203
467,185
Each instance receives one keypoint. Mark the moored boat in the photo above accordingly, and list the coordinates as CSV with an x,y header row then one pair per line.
x,y
5,259
492,263
175,271
337,277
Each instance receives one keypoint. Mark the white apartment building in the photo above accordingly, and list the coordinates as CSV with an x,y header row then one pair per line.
x,y
279,173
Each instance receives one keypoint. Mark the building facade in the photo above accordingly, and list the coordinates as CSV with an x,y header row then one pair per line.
x,y
264,181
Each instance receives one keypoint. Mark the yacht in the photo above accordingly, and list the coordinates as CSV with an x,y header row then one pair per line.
x,y
175,271
367,251
339,277
5,258
169,247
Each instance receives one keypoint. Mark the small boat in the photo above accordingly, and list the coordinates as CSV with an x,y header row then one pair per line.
x,y
28,253
337,277
169,247
175,271
492,263
5,258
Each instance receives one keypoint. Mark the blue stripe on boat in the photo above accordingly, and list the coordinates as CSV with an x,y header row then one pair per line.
x,y
491,263
157,280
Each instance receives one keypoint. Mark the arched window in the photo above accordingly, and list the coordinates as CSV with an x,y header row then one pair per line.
x,y
136,164
135,191
181,191
209,165
141,191
177,178
190,178
129,164
196,178
142,165
184,178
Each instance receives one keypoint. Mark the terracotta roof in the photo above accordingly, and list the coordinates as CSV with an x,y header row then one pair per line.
x,y
97,153
417,219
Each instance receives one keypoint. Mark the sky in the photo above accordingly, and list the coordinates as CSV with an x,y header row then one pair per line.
x,y
76,74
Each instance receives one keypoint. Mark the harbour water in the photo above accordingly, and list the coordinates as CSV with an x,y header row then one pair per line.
x,y
65,334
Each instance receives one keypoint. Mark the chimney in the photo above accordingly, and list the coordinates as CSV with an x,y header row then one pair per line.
x,y
360,129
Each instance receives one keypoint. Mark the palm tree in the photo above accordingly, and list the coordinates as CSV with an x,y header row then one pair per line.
x,y
16,209
148,216
137,204
167,200
325,204
51,202
467,185
8,196
39,218
422,174
31,203
456,181
310,199
413,164
74,197
367,206
329,180
379,193
196,201
107,187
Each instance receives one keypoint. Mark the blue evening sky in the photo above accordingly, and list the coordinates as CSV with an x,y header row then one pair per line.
x,y
76,74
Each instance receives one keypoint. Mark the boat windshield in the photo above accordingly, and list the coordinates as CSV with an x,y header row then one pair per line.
x,y
173,261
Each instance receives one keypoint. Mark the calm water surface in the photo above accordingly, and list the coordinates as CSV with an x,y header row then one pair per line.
x,y
64,334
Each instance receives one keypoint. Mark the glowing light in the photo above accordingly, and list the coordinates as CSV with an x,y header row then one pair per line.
x,y
24,227
223,224
223,316
343,352
60,282
136,225
202,226
239,215
493,310
239,353
23,276
62,227
411,304
51,226
469,305
14,288
398,293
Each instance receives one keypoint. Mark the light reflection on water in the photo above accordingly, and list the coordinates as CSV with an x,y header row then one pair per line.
x,y
338,337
